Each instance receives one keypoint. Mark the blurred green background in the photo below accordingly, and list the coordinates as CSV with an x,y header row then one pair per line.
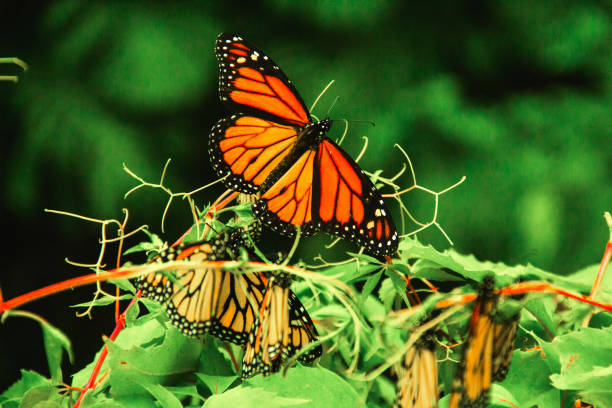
x,y
515,95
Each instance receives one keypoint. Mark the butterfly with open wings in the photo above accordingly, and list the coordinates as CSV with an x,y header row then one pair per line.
x,y
271,145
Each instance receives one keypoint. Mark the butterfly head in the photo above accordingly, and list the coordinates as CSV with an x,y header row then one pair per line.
x,y
316,132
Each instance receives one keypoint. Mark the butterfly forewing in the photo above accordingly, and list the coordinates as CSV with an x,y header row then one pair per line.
x,y
251,83
281,329
418,382
246,149
475,373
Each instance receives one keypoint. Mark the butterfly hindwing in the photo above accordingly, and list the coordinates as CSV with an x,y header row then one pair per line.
x,y
205,298
251,83
325,189
505,334
247,149
303,330
215,301
348,204
288,202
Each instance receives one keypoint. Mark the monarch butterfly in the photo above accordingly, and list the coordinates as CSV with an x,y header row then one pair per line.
x,y
207,299
418,386
488,351
281,329
271,145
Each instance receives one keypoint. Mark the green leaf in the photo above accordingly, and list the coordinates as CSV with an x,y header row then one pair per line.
x,y
149,332
214,359
165,398
366,258
186,391
424,268
369,286
583,350
351,271
55,343
538,316
319,385
399,284
598,398
586,277
97,399
387,293
498,394
154,363
217,384
124,284
249,397
43,397
585,360
131,314
11,398
528,382
154,245
472,269
103,301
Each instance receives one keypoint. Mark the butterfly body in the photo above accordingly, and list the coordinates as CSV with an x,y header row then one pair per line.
x,y
273,146
308,139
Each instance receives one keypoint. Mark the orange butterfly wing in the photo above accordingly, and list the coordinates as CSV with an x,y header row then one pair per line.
x,y
274,148
282,328
246,150
418,386
487,353
348,204
206,298
288,202
251,83
325,189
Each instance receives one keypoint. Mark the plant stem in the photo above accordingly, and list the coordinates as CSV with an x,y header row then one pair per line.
x,y
91,383
605,260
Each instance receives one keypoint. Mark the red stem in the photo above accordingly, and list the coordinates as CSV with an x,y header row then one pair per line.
x,y
91,383
61,286
527,287
602,269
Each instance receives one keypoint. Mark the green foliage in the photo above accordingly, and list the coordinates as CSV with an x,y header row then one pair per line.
x,y
152,364
56,343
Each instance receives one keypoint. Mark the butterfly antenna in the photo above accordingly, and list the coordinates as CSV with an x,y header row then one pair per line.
x,y
332,106
371,122
321,94
346,125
